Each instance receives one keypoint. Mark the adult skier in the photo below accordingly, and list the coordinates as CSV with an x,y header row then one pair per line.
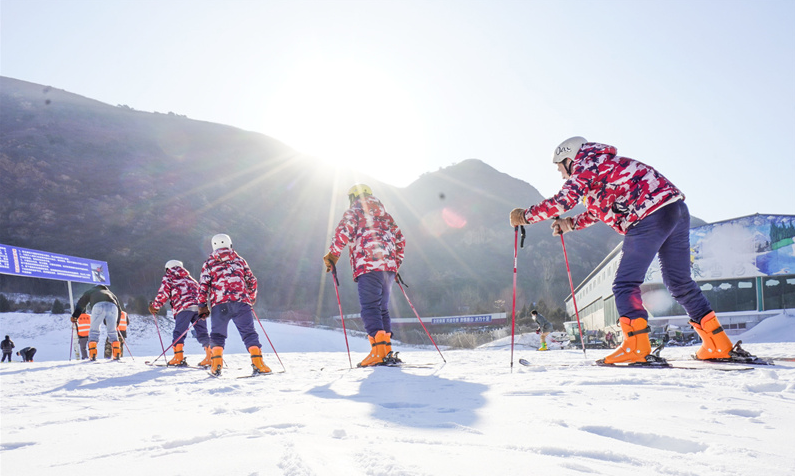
x,y
640,203
544,328
182,291
376,247
27,354
105,307
7,346
228,286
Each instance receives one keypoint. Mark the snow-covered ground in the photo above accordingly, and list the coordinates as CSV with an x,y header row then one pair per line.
x,y
473,415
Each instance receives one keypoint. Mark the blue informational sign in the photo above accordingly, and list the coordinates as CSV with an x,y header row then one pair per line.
x,y
41,264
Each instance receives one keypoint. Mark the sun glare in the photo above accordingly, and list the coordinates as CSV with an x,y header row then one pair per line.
x,y
350,116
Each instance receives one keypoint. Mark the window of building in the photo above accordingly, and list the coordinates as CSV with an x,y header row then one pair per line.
x,y
778,292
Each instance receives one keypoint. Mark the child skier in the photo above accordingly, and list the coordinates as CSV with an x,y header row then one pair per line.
x,y
228,286
182,291
376,246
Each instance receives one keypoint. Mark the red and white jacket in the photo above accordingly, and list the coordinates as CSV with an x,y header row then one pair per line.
x,y
226,277
179,287
615,190
375,242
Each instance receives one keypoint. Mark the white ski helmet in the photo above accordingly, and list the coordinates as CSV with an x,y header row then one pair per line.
x,y
173,263
568,149
221,240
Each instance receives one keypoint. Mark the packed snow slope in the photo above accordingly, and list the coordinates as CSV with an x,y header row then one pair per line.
x,y
474,415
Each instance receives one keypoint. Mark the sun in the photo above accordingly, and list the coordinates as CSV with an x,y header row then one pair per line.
x,y
352,116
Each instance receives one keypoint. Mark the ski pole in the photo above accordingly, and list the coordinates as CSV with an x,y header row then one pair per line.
x,y
573,298
513,306
72,339
401,283
158,333
172,344
269,339
124,341
342,318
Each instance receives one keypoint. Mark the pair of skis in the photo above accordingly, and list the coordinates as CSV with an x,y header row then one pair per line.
x,y
740,360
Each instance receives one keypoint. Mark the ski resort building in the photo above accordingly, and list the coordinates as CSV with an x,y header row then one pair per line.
x,y
744,266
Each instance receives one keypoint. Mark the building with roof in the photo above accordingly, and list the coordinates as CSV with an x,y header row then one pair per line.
x,y
744,266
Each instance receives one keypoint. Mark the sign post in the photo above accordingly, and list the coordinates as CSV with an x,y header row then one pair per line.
x,y
29,263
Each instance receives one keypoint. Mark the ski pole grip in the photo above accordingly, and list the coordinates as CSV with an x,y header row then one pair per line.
x,y
400,280
523,236
334,273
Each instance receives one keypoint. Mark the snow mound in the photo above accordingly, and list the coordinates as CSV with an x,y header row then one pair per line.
x,y
780,328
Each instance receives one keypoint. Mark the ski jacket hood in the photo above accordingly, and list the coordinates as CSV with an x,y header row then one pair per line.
x,y
226,277
615,190
375,242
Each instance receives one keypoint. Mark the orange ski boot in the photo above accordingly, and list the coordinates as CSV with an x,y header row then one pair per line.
x,y
635,346
178,358
377,353
92,350
116,350
218,360
208,358
256,361
715,343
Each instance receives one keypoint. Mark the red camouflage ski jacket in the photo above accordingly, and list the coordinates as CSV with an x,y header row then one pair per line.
x,y
374,240
226,277
179,287
615,190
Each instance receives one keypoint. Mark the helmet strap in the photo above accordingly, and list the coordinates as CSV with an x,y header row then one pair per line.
x,y
567,165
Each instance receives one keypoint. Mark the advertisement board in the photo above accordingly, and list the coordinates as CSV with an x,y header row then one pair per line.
x,y
28,263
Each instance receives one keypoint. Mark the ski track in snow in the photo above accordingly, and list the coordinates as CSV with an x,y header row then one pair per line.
x,y
474,415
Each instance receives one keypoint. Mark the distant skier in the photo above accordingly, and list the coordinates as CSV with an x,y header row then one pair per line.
x,y
7,346
229,287
640,203
376,247
27,354
544,328
105,307
180,289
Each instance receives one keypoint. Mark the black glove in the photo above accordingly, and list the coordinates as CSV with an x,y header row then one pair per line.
x,y
74,319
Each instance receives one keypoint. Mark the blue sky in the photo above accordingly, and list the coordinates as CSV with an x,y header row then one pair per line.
x,y
702,90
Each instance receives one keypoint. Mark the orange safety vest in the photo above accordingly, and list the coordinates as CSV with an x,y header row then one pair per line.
x,y
122,322
83,325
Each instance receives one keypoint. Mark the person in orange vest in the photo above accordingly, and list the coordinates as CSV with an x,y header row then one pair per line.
x,y
121,329
83,326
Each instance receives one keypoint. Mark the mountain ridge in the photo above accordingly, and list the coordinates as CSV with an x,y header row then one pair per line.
x,y
135,189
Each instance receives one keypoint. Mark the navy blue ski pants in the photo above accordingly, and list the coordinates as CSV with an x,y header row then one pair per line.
x,y
666,233
241,314
375,288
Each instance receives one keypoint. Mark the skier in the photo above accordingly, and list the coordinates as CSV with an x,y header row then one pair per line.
x,y
105,307
27,354
179,287
229,287
7,346
83,327
544,328
376,247
640,203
